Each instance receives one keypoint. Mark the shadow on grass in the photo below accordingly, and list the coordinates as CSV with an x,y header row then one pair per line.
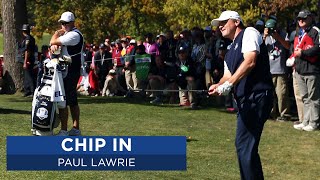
x,y
205,103
13,111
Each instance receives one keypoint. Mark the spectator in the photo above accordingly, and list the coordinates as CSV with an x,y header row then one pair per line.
x,y
150,46
27,49
111,85
171,44
260,26
107,44
209,55
102,63
129,67
159,79
186,79
118,62
306,54
184,41
297,95
199,57
277,43
163,48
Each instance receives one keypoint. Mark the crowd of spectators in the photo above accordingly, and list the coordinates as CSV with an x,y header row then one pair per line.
x,y
193,60
188,63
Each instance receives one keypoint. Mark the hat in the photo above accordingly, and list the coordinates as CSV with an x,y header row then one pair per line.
x,y
133,41
66,17
208,28
182,49
259,22
271,23
149,35
304,14
25,27
123,39
101,46
273,17
225,15
185,30
112,71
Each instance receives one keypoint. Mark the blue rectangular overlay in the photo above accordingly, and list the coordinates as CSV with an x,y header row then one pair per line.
x,y
96,153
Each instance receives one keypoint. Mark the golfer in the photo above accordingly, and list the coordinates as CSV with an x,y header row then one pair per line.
x,y
247,73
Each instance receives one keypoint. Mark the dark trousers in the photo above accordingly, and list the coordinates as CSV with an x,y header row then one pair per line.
x,y
254,110
29,81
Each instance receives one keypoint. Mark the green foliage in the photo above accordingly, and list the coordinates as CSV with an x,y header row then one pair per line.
x,y
102,18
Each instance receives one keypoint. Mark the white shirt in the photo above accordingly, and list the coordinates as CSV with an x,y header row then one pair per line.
x,y
70,38
251,40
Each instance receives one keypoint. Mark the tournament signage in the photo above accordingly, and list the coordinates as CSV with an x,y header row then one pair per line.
x,y
142,66
96,153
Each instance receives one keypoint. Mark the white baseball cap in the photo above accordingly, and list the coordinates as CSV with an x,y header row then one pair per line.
x,y
66,17
225,15
112,71
132,41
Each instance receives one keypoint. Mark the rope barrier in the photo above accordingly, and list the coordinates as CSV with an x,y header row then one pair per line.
x,y
104,59
168,90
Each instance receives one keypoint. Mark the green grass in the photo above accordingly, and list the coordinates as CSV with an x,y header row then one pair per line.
x,y
285,153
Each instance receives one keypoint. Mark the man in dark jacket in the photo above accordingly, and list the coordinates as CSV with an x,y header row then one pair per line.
x,y
27,49
102,60
307,60
186,78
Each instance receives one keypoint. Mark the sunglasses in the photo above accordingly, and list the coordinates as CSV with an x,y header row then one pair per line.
x,y
64,23
222,23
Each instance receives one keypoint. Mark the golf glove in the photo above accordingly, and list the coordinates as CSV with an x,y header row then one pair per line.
x,y
225,88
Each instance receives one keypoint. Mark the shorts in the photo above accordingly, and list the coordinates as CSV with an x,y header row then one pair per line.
x,y
70,87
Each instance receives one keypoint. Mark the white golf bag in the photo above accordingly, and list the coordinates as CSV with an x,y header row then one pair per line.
x,y
48,97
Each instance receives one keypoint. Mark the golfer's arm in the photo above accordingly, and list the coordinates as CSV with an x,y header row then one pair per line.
x,y
245,67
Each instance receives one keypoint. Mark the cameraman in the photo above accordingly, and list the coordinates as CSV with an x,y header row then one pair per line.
x,y
277,43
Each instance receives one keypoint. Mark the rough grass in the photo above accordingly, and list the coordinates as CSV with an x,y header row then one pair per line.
x,y
285,153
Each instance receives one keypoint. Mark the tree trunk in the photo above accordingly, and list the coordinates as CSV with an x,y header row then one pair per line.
x,y
14,14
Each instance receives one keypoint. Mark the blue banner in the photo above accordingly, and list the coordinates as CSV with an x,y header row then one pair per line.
x,y
96,153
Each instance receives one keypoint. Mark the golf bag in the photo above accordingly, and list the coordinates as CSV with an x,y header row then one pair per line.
x,y
48,97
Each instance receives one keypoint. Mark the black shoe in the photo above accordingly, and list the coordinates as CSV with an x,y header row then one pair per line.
x,y
282,119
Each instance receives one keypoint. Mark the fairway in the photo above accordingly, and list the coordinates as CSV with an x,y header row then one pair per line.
x,y
285,152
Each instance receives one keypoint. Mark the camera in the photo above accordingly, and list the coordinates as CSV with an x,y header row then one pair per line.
x,y
270,30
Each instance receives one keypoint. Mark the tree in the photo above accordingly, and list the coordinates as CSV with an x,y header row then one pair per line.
x,y
14,14
191,13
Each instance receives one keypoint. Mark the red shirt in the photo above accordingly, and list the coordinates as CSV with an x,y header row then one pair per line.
x,y
116,56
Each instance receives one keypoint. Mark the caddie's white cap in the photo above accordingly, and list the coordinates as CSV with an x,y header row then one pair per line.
x,y
66,17
225,15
